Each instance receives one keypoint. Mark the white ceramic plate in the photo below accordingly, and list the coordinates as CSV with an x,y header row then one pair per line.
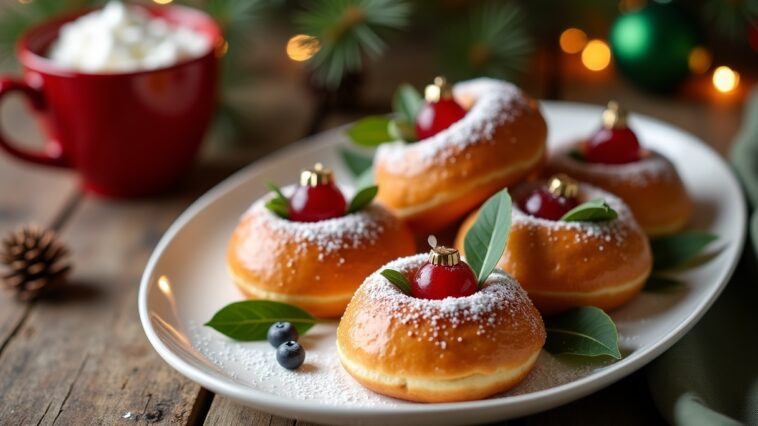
x,y
195,284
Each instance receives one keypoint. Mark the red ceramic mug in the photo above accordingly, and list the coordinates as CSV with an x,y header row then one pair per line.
x,y
127,134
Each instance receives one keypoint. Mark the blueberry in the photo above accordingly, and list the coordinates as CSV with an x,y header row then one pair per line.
x,y
290,355
281,332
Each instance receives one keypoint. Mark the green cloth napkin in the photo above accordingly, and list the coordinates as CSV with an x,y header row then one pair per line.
x,y
710,377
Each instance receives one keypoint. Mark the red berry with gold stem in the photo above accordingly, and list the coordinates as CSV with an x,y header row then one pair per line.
x,y
554,200
439,111
317,197
615,142
444,275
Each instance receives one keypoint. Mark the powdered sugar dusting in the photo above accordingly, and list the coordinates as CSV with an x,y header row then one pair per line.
x,y
352,231
556,371
651,168
609,232
495,102
322,379
500,300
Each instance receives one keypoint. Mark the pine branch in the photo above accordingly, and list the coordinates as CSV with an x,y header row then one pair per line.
x,y
18,17
493,42
731,19
347,30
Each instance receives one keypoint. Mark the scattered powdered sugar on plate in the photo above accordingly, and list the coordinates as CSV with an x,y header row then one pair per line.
x,y
494,102
653,167
551,371
322,379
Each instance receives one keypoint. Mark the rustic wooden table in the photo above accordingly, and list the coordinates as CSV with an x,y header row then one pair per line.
x,y
82,358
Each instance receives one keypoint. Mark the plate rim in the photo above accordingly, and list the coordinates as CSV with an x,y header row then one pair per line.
x,y
534,401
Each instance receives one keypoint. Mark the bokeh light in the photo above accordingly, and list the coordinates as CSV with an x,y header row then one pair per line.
x,y
632,36
725,79
573,40
162,1
302,47
222,48
596,55
699,60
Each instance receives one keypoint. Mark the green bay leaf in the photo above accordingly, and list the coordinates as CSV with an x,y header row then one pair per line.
x,y
398,279
577,155
407,102
278,204
585,331
592,211
485,242
356,162
676,250
402,130
362,198
250,320
370,131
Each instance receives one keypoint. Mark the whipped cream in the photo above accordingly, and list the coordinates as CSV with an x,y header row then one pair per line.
x,y
124,38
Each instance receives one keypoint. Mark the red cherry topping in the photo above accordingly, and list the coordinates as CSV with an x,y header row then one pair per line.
x,y
317,198
615,142
444,276
613,146
553,201
439,111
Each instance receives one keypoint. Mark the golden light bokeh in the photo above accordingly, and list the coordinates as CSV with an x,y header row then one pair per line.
x,y
725,79
699,60
596,55
164,284
302,47
573,40
222,48
162,1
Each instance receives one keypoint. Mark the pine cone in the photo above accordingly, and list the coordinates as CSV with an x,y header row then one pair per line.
x,y
35,262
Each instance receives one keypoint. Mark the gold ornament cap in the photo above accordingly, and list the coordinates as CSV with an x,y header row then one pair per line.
x,y
614,116
318,175
441,255
439,90
445,256
561,185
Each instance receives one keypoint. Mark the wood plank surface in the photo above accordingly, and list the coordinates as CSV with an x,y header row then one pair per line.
x,y
225,411
83,358
28,194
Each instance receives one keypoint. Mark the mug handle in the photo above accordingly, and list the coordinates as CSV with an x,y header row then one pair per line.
x,y
52,154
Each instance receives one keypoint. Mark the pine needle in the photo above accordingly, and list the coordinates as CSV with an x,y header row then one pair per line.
x,y
494,42
347,30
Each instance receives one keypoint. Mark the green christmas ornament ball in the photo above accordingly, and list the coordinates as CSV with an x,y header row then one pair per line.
x,y
651,46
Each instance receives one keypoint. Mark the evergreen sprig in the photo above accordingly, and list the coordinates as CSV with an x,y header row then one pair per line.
x,y
346,30
17,17
731,19
493,41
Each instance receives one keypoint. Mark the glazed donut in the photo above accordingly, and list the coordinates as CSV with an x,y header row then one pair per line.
x,y
433,182
651,187
314,265
563,265
454,349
